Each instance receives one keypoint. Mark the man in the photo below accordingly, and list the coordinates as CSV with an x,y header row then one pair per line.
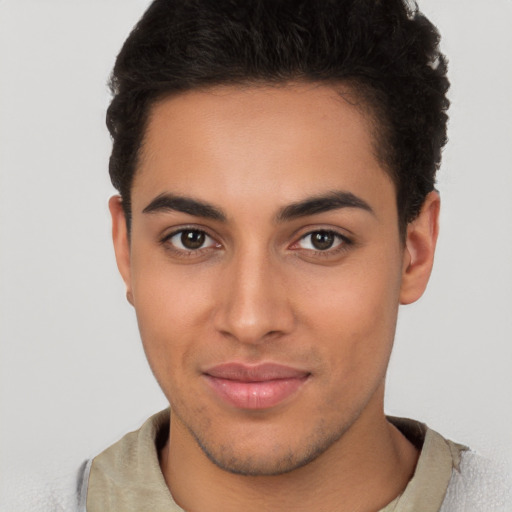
x,y
276,166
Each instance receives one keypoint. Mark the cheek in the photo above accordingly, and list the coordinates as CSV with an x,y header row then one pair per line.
x,y
172,307
355,308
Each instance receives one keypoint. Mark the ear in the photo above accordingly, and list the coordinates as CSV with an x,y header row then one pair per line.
x,y
420,245
121,242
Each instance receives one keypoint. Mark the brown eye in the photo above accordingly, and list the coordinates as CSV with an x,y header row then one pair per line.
x,y
190,240
322,240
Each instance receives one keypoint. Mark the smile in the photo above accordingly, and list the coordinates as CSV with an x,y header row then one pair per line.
x,y
255,387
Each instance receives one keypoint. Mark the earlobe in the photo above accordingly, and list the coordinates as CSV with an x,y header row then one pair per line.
x,y
121,242
419,250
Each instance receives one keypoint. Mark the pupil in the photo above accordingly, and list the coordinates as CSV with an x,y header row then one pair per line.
x,y
322,240
192,239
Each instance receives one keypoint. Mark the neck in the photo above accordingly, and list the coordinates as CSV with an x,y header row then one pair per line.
x,y
364,470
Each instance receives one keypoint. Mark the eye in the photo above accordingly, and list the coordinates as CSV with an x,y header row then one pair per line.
x,y
190,240
321,240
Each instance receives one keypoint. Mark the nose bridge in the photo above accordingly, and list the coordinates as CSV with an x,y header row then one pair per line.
x,y
254,302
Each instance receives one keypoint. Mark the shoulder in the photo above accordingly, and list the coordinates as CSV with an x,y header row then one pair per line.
x,y
60,491
478,485
449,477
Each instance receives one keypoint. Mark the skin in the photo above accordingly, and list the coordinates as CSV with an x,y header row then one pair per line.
x,y
258,291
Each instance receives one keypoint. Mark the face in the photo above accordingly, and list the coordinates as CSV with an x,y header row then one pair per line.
x,y
266,269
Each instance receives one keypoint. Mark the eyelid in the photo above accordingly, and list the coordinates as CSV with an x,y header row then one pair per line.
x,y
305,231
338,240
343,245
164,240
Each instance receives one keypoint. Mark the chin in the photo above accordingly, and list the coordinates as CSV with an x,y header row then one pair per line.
x,y
262,459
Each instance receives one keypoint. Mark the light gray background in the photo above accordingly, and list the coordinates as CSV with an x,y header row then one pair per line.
x,y
73,374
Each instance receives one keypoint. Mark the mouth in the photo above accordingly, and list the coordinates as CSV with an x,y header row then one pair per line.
x,y
255,387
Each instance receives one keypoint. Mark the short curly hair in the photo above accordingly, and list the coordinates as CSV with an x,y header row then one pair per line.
x,y
384,50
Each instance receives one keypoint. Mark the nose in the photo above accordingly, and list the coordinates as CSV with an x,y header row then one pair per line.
x,y
254,305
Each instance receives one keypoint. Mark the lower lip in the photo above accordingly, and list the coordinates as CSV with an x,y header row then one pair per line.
x,y
255,395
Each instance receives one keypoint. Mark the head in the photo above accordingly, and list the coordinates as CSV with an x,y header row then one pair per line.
x,y
276,166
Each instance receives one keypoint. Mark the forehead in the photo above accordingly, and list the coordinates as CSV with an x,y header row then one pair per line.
x,y
257,141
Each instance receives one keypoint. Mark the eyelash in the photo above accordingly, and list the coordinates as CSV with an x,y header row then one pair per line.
x,y
165,241
343,243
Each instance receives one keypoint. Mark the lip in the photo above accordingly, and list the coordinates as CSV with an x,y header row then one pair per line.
x,y
255,387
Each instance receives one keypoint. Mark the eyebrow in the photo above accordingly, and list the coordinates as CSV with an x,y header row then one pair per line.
x,y
333,200
170,202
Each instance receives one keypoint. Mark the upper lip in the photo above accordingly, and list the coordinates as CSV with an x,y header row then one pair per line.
x,y
255,373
